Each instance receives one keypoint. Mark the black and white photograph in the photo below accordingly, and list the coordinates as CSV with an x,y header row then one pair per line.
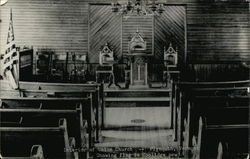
x,y
127,79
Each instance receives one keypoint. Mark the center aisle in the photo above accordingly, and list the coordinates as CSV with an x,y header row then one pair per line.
x,y
136,117
137,128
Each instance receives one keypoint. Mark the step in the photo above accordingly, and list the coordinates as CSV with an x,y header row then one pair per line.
x,y
137,99
138,90
128,153
137,144
138,93
161,139
122,135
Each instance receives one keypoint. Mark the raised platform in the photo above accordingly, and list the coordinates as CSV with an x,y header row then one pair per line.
x,y
149,97
151,86
137,99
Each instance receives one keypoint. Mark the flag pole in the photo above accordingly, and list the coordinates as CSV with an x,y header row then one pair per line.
x,y
11,57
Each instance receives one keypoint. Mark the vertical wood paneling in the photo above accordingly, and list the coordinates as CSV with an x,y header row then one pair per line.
x,y
104,27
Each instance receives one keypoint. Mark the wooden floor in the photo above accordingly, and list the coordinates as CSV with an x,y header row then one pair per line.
x,y
137,117
139,129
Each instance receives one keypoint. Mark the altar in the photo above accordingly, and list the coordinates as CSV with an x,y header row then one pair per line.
x,y
138,69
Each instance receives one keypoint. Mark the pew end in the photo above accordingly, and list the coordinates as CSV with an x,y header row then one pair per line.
x,y
54,141
35,153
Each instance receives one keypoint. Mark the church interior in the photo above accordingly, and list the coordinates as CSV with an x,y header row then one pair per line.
x,y
104,79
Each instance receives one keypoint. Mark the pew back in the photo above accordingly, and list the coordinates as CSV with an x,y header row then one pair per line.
x,y
225,105
56,86
56,104
36,152
94,91
48,118
15,141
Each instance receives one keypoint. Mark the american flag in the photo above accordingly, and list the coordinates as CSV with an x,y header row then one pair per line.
x,y
9,59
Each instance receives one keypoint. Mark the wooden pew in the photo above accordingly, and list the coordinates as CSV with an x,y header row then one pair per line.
x,y
92,90
227,117
56,86
224,91
77,127
45,103
215,141
226,120
36,152
15,141
184,91
56,104
221,84
91,94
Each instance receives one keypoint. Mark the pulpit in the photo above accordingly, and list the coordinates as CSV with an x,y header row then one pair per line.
x,y
138,61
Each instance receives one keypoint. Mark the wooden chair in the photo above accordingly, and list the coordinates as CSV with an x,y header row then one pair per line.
x,y
170,70
106,62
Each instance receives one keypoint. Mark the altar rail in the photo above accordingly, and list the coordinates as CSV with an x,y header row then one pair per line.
x,y
59,74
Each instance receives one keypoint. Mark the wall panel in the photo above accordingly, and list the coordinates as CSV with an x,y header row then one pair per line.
x,y
56,24
170,28
144,24
104,27
218,32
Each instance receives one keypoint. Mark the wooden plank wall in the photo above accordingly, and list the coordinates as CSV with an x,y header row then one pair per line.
x,y
59,25
218,31
170,28
215,31
218,41
216,72
104,27
144,24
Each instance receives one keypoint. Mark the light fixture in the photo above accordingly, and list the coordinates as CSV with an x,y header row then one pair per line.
x,y
138,7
